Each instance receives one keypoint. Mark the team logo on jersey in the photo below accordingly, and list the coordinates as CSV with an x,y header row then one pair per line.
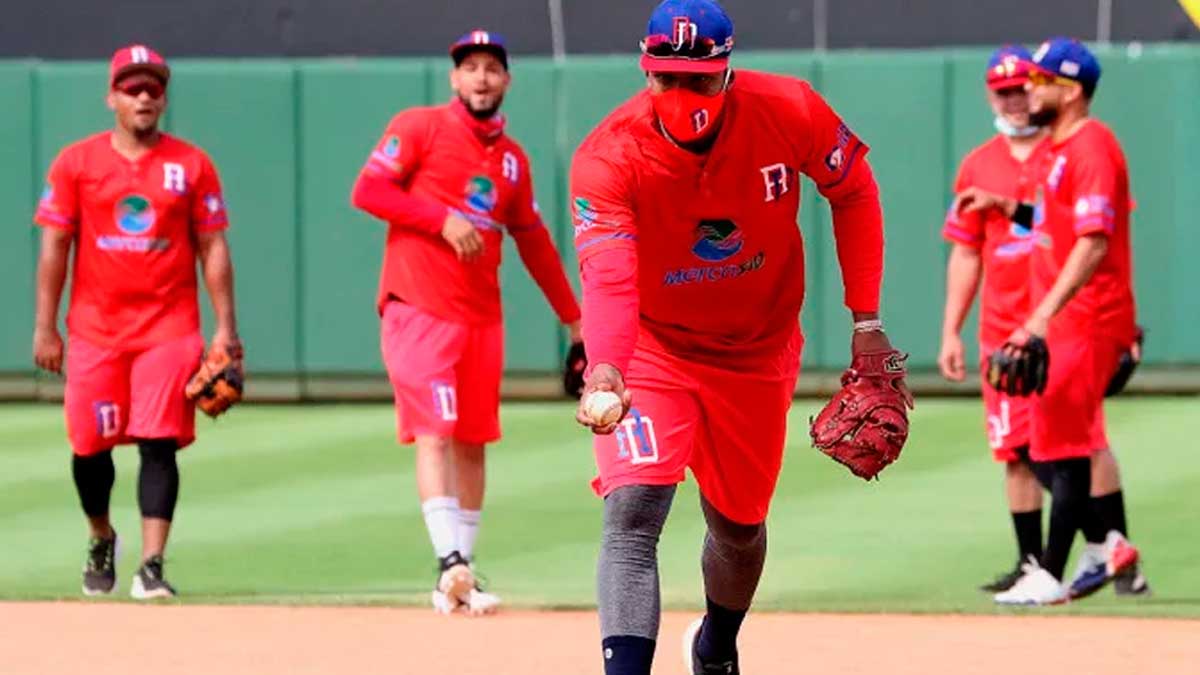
x,y
835,159
174,178
47,194
391,147
717,240
510,167
636,440
778,179
481,194
134,214
213,203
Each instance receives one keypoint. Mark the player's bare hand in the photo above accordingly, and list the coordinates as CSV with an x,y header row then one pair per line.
x,y
975,199
603,377
877,341
951,360
462,237
48,349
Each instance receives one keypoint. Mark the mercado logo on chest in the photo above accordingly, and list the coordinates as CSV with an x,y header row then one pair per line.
x,y
715,242
135,217
481,197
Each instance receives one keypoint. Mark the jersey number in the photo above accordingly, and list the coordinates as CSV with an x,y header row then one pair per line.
x,y
445,401
999,427
636,439
108,418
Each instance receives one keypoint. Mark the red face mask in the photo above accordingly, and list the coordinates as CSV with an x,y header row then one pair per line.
x,y
686,115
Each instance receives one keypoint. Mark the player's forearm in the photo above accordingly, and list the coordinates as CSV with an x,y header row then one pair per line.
x,y
51,276
545,266
1081,264
858,228
610,306
216,264
389,202
963,271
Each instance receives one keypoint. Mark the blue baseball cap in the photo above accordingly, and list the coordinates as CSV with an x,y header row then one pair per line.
x,y
1008,67
687,36
479,40
1069,58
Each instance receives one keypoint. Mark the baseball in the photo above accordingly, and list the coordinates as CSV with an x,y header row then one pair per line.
x,y
603,407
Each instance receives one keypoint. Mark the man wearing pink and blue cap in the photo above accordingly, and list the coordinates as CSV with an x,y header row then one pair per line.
x,y
1082,307
686,200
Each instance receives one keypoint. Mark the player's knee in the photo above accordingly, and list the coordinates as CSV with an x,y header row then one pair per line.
x,y
638,511
730,534
94,475
158,480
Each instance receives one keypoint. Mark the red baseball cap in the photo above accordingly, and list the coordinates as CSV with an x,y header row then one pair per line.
x,y
1008,67
136,58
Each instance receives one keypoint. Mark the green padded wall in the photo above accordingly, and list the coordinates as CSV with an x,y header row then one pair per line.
x,y
17,195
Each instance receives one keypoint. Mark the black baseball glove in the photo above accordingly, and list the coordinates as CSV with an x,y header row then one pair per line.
x,y
1129,363
573,370
1020,370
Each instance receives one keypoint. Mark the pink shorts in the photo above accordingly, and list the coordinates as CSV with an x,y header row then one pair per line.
x,y
1007,421
1068,418
115,396
445,375
728,427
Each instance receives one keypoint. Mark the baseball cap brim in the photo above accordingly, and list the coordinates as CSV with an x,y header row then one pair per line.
x,y
659,65
1008,82
159,70
459,52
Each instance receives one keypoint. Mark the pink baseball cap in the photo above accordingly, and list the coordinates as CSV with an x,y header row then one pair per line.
x,y
135,58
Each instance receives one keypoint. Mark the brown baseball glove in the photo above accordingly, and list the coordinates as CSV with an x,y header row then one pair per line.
x,y
866,424
217,386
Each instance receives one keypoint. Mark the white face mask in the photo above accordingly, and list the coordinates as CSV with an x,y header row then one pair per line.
x,y
1005,127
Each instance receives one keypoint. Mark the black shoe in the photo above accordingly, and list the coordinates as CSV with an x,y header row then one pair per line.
x,y
700,667
1003,582
149,583
1131,583
99,568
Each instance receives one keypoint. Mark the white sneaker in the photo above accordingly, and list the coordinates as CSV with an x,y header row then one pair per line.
x,y
1035,587
479,603
1090,572
454,585
442,603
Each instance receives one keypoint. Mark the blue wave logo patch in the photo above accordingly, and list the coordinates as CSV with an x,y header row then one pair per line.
x,y
134,214
717,240
481,194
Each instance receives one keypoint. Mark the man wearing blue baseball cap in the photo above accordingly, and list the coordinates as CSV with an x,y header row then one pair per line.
x,y
986,247
1082,316
451,184
686,200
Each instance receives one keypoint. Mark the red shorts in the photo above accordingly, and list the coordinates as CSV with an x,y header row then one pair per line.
x,y
115,396
445,375
728,427
1007,421
1068,418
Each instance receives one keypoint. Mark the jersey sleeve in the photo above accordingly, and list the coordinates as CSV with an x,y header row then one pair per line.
x,y
963,228
836,161
537,250
59,204
606,243
381,188
1094,192
208,203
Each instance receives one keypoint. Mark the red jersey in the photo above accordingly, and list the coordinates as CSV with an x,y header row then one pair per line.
x,y
703,251
135,221
1004,245
429,162
1084,189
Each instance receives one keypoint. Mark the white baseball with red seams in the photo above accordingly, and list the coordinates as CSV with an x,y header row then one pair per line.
x,y
603,408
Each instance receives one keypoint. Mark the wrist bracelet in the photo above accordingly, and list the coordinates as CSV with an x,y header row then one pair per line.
x,y
868,326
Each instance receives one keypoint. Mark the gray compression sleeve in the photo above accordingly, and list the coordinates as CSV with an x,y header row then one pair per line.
x,y
627,575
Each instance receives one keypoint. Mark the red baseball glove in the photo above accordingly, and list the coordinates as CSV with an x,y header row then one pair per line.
x,y
866,424
217,386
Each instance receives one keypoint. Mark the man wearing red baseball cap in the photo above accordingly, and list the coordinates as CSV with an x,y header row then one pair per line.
x,y
450,183
686,200
141,207
987,245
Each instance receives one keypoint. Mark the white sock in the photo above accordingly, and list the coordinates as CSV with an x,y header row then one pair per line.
x,y
441,519
468,530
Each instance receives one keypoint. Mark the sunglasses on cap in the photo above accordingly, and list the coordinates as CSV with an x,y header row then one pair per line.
x,y
664,47
135,89
1041,77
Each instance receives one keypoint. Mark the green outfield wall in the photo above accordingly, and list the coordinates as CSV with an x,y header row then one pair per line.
x,y
289,137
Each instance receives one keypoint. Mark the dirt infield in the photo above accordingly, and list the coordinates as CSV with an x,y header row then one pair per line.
x,y
78,637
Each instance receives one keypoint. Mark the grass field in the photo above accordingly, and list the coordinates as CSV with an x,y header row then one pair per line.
x,y
317,505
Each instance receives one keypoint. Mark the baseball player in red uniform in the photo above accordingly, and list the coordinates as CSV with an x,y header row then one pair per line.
x,y
987,245
450,183
685,201
1082,306
140,208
